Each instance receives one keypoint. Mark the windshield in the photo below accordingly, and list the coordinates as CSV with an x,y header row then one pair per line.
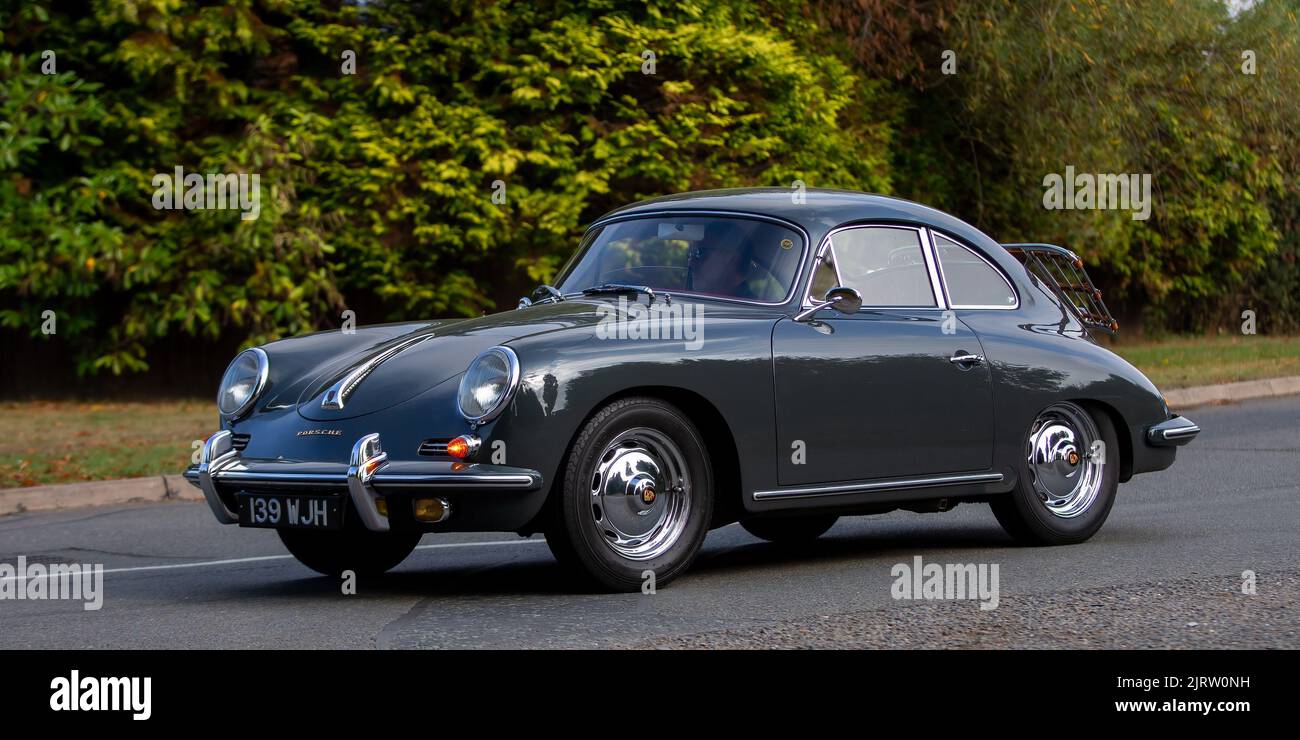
x,y
720,256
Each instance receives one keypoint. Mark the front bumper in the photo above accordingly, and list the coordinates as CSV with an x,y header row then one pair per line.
x,y
482,497
1174,432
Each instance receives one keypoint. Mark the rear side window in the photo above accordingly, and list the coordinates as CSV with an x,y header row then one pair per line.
x,y
886,265
971,281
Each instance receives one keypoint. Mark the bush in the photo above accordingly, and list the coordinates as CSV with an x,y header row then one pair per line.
x,y
377,187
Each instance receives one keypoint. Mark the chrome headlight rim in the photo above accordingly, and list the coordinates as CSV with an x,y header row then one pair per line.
x,y
259,383
512,383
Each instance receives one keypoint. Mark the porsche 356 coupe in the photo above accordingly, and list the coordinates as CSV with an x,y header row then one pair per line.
x,y
706,358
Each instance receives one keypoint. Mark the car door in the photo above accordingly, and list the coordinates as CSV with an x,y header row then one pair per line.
x,y
881,393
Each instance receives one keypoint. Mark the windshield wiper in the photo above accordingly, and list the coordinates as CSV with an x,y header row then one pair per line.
x,y
623,288
548,294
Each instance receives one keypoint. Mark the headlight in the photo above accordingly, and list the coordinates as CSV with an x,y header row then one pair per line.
x,y
486,386
244,379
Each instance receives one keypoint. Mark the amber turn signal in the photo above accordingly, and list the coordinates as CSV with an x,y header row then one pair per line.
x,y
463,447
431,509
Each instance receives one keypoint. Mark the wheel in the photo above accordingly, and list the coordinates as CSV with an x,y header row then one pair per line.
x,y
1068,478
636,496
791,529
352,548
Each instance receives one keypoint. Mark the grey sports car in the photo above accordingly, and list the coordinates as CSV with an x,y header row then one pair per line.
x,y
706,358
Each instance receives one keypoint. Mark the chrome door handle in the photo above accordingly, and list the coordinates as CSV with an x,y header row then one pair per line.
x,y
967,359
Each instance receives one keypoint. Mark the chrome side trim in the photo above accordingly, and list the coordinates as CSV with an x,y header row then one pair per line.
x,y
337,394
218,451
851,488
367,457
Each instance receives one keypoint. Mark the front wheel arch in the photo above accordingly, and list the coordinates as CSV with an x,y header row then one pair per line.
x,y
719,442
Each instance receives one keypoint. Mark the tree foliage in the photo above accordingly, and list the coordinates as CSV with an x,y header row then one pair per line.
x,y
377,187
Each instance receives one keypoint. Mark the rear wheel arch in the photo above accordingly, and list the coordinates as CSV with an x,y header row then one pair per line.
x,y
1124,437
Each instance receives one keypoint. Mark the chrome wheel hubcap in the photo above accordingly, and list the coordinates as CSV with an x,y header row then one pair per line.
x,y
640,494
1066,460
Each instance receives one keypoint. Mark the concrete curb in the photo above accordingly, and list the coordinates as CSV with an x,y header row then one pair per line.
x,y
176,488
97,493
1185,398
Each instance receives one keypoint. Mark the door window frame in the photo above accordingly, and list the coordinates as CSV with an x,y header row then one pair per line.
x,y
927,254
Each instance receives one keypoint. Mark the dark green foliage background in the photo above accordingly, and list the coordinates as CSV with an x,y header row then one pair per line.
x,y
377,187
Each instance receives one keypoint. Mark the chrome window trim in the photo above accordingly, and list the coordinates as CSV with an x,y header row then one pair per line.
x,y
798,273
940,299
932,266
982,258
852,488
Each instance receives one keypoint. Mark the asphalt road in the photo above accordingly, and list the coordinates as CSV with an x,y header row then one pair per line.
x,y
1165,571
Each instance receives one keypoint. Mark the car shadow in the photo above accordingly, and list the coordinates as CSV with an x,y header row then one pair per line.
x,y
538,574
862,546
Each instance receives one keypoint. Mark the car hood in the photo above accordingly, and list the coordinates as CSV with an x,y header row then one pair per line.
x,y
393,363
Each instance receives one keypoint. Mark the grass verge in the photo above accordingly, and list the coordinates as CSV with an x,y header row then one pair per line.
x,y
1183,362
44,442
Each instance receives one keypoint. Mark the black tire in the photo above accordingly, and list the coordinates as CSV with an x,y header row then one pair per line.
x,y
1024,516
353,548
790,529
583,527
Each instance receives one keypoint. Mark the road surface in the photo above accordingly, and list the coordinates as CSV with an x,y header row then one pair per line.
x,y
1165,571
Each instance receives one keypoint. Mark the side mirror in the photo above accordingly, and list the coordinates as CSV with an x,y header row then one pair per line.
x,y
842,299
541,294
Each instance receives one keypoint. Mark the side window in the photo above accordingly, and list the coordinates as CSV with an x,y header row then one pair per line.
x,y
886,265
971,281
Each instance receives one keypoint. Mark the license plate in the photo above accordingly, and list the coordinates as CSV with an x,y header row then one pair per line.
x,y
298,512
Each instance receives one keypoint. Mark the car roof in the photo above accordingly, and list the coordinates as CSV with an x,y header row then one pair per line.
x,y
821,209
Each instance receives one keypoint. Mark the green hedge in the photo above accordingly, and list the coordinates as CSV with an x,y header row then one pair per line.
x,y
377,187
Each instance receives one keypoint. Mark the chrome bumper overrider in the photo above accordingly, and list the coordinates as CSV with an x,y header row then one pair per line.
x,y
367,476
1176,431
218,452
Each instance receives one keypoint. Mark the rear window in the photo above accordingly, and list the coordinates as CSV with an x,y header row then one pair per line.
x,y
971,281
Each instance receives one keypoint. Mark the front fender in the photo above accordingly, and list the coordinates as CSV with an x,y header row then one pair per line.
x,y
567,376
